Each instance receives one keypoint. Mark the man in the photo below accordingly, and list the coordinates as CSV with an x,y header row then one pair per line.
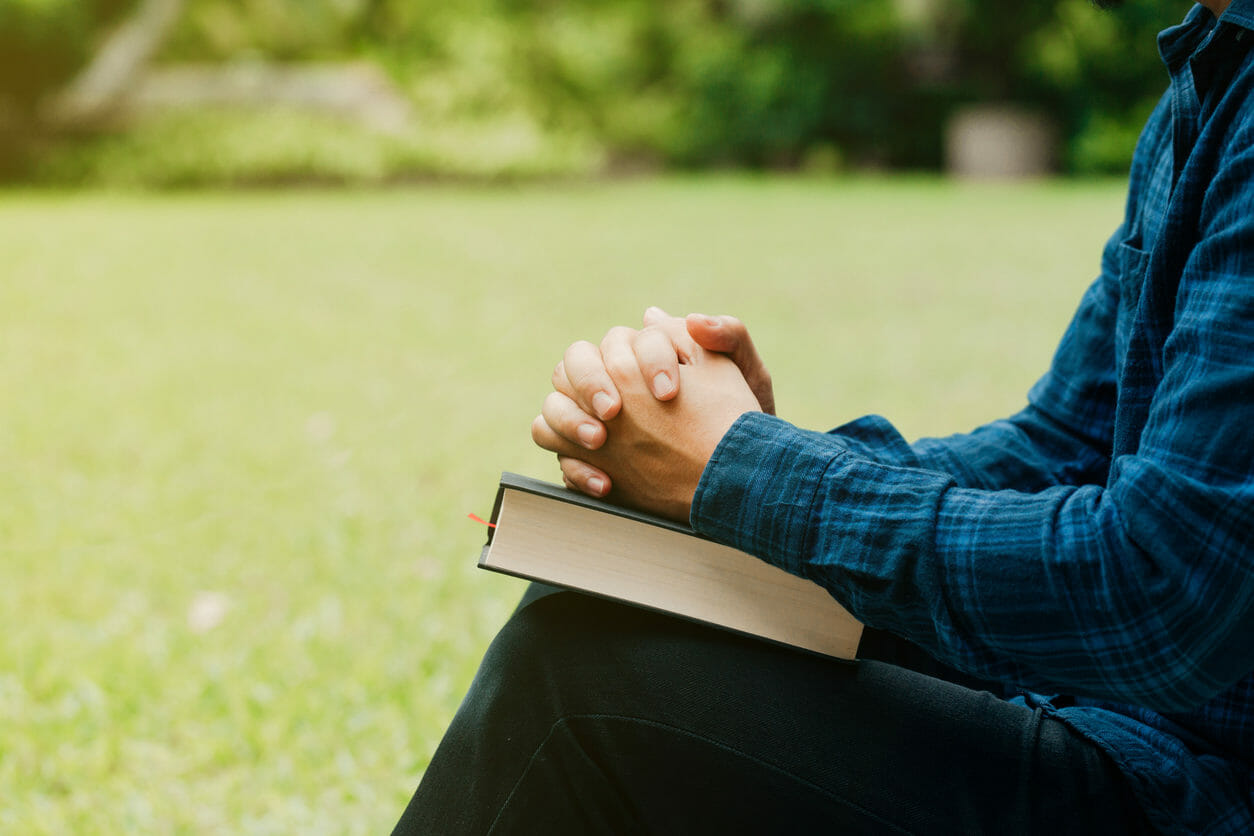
x,y
1062,601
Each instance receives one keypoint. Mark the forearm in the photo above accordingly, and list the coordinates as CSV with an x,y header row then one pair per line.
x,y
1045,590
1025,452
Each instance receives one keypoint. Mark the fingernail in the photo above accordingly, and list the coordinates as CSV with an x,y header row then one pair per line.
x,y
713,321
596,486
587,435
662,385
601,404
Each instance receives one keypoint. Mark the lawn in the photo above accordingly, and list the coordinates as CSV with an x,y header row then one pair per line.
x,y
242,432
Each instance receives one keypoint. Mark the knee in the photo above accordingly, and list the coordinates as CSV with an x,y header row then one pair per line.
x,y
539,656
568,653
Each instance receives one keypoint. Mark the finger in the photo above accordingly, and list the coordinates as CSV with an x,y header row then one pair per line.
x,y
562,384
587,381
619,359
654,315
685,347
547,438
567,420
658,361
581,476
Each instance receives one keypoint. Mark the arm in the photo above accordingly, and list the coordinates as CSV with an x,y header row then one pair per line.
x,y
1063,436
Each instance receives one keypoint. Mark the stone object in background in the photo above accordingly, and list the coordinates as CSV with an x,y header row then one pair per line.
x,y
1000,141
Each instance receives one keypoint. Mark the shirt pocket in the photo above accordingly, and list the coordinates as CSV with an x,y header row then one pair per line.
x,y
1133,265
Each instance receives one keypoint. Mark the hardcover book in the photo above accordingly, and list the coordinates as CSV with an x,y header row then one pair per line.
x,y
544,532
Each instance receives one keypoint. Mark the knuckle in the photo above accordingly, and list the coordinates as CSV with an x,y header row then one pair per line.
x,y
573,471
579,354
621,365
657,354
653,335
673,327
617,336
588,381
553,403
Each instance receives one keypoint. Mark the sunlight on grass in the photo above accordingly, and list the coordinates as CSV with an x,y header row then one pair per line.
x,y
242,433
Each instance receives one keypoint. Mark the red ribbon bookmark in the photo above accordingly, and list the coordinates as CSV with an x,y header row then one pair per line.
x,y
482,521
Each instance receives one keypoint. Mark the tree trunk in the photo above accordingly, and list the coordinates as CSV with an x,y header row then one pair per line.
x,y
95,93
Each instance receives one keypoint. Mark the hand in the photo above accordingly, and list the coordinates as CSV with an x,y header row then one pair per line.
x,y
655,449
665,343
660,348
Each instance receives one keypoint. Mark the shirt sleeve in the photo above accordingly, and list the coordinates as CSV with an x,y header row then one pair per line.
x,y
1138,588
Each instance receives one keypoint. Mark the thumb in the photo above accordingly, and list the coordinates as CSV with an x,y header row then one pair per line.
x,y
728,335
722,334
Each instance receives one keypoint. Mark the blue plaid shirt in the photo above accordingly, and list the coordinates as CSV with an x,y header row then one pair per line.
x,y
1100,543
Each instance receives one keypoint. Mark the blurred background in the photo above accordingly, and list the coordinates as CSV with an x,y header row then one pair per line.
x,y
282,283
191,92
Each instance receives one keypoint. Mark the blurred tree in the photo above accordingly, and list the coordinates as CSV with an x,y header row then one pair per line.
x,y
65,64
42,43
282,30
96,92
782,77
988,44
1101,73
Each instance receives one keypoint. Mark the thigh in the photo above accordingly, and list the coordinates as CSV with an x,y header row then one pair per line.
x,y
588,716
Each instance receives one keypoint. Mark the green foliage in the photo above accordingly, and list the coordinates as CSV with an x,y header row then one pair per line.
x,y
281,29
1102,74
988,41
760,83
44,42
798,75
208,148
1104,145
696,83
739,82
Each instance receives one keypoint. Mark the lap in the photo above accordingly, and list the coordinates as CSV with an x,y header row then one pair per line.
x,y
588,716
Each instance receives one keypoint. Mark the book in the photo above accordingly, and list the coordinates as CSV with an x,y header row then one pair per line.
x,y
544,532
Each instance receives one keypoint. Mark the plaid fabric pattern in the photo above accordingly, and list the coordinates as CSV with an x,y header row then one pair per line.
x,y
1100,543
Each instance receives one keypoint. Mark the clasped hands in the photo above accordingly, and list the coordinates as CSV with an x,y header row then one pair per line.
x,y
639,415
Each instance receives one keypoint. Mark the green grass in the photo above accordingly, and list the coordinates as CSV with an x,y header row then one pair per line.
x,y
241,433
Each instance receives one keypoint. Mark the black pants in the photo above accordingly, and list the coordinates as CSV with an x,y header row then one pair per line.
x,y
588,717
